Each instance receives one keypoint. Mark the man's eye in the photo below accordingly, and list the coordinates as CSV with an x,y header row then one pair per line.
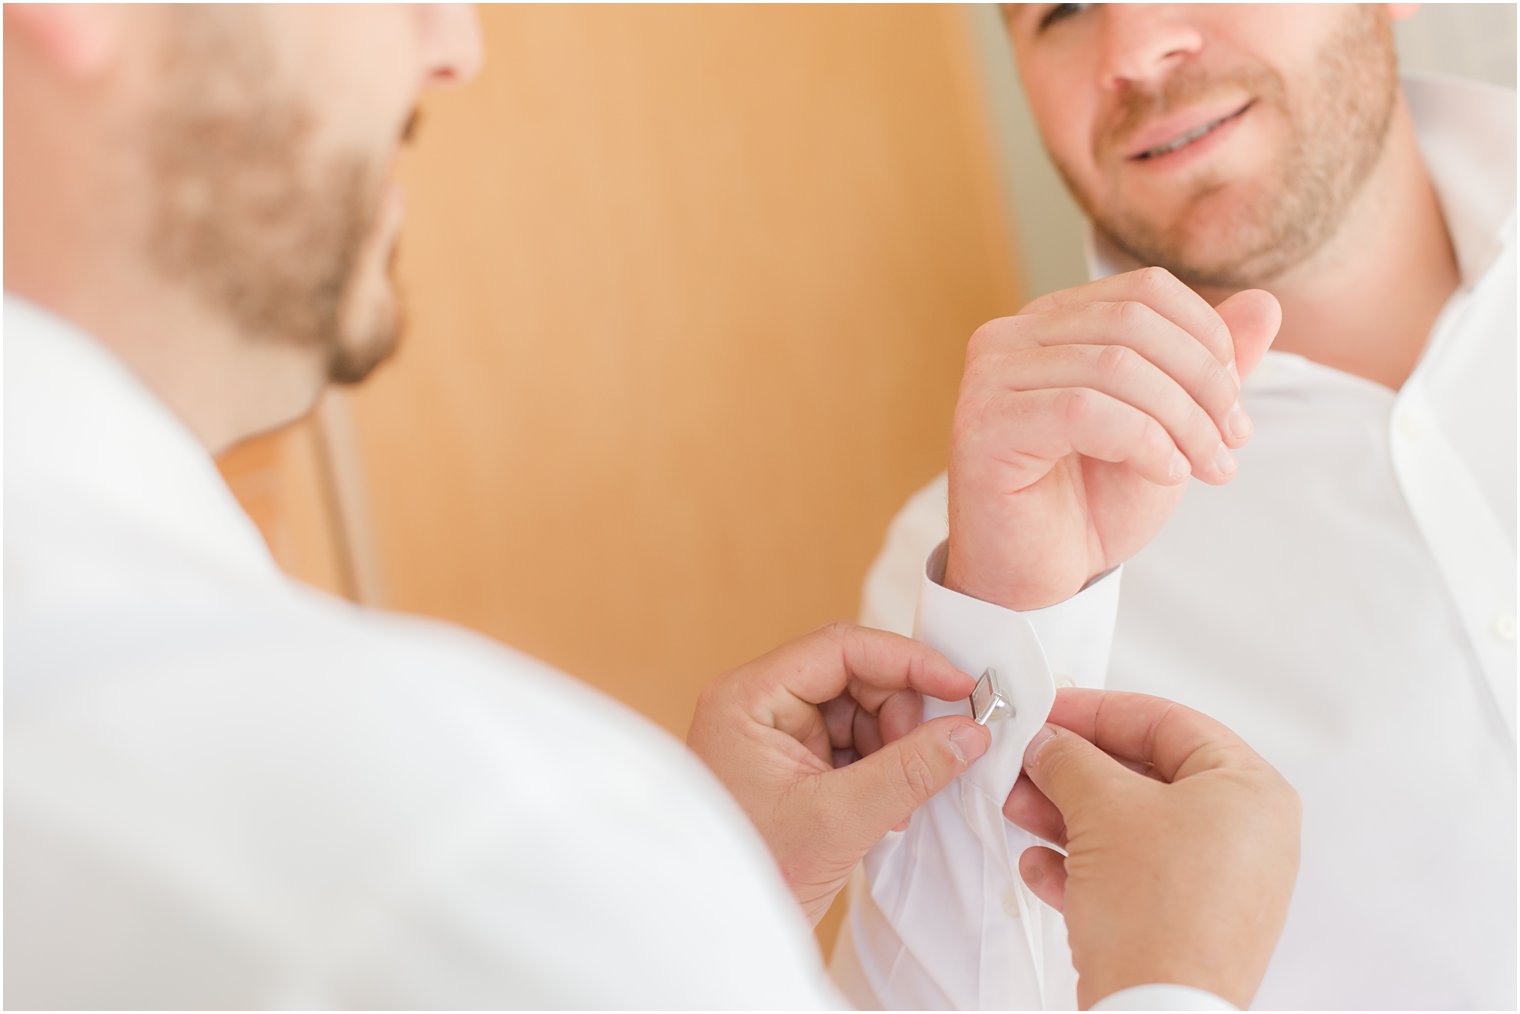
x,y
1060,12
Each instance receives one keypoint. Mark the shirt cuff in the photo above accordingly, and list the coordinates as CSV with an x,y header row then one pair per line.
x,y
1075,636
947,923
1163,996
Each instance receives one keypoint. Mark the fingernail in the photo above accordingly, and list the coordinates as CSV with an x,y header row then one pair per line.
x,y
1046,733
1224,461
968,742
1238,423
1179,467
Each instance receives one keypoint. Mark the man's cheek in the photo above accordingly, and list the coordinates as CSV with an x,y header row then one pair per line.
x,y
1068,134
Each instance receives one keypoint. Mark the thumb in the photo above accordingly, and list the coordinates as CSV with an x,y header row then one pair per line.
x,y
1253,317
880,791
1070,771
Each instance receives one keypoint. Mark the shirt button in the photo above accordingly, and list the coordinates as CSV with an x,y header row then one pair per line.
x,y
1010,904
1504,627
1063,681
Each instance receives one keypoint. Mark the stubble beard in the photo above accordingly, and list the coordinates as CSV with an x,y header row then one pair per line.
x,y
1336,136
250,218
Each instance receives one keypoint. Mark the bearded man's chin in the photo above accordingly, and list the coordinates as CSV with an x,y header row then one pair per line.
x,y
352,360
371,322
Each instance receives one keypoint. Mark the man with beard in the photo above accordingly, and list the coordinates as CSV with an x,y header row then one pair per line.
x,y
224,790
1340,589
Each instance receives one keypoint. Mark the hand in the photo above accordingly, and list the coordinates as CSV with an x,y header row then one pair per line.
x,y
821,742
1079,421
1181,853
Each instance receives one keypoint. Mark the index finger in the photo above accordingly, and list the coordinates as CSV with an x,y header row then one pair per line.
x,y
1160,290
872,664
1175,740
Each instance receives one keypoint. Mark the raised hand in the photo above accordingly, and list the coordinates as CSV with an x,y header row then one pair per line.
x,y
820,741
1079,422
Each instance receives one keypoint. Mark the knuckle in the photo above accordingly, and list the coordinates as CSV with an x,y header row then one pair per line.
x,y
744,695
1052,301
979,376
1275,808
1218,337
723,684
1130,314
1075,405
1290,799
1157,280
1295,807
915,662
1155,437
990,335
973,415
706,698
1214,392
1190,426
1118,362
1214,376
838,631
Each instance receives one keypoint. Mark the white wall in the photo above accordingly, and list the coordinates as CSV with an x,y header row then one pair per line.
x,y
1474,40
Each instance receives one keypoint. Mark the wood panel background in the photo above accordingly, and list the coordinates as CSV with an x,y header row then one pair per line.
x,y
688,293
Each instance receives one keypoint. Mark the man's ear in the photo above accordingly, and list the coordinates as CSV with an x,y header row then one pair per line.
x,y
77,41
1398,12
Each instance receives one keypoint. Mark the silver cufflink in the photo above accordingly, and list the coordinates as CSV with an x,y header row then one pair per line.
x,y
987,700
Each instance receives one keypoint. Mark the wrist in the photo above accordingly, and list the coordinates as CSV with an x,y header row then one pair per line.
x,y
1163,996
1004,585
1196,955
1092,990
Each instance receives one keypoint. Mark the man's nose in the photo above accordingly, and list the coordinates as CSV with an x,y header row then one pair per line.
x,y
1142,43
453,50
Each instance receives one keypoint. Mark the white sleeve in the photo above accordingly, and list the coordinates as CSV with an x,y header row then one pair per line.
x,y
889,595
946,922
574,856
1163,996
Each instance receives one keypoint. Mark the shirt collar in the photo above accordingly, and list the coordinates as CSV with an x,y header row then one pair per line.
x,y
1466,133
80,424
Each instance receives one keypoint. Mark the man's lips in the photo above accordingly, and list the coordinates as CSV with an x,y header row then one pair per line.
x,y
1177,132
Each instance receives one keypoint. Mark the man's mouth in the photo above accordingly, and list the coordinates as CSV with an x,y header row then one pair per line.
x,y
1191,136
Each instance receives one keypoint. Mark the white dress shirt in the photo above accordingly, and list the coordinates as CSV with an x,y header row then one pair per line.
x,y
223,789
1347,604
226,790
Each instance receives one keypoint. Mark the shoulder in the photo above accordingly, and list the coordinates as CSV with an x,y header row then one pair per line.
x,y
407,812
576,831
487,714
595,850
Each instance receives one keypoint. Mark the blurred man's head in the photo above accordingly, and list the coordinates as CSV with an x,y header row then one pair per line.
x,y
1224,142
238,161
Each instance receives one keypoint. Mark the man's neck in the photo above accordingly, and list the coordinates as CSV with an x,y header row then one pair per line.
x,y
1365,302
224,387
